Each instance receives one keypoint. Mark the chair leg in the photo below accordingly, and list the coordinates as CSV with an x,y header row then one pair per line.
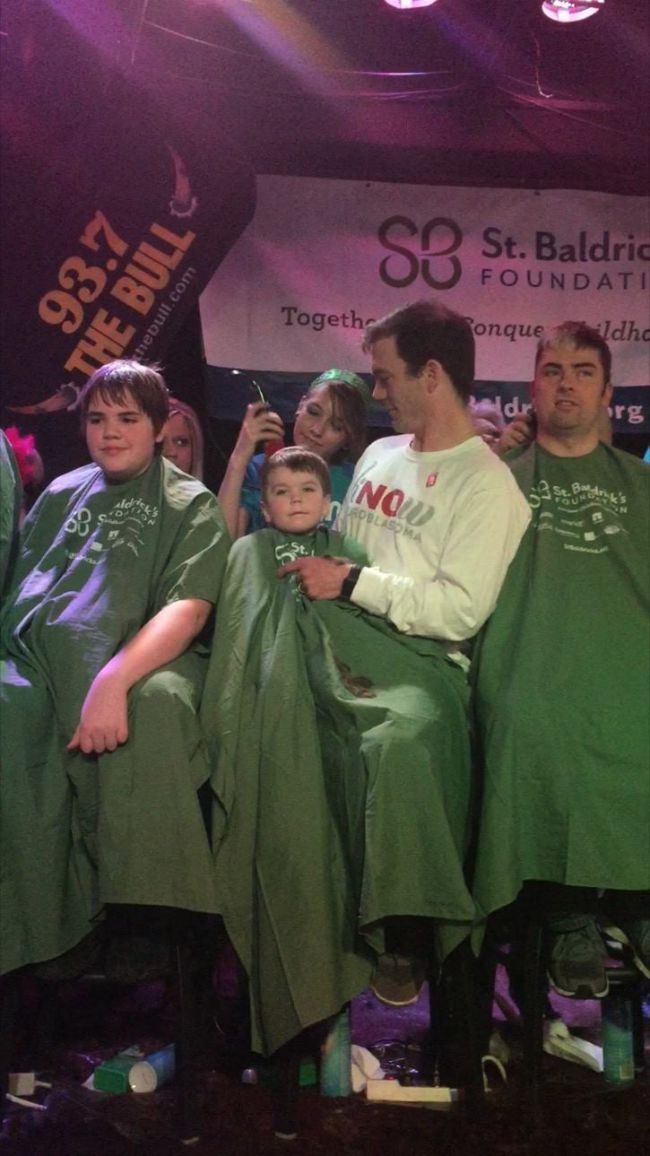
x,y
9,1004
534,997
187,1108
458,1017
486,975
286,1087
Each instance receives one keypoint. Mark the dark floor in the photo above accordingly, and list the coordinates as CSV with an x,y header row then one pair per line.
x,y
579,1115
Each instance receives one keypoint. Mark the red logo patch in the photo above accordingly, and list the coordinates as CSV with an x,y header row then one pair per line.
x,y
431,480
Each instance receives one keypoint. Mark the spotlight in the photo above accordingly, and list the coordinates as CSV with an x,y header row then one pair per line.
x,y
404,4
570,11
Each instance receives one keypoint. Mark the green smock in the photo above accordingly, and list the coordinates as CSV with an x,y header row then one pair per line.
x,y
97,562
11,492
341,760
562,685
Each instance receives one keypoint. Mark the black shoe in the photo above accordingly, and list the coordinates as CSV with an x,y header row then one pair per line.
x,y
397,979
86,956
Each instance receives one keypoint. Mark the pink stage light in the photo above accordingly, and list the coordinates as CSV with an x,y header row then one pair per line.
x,y
404,4
570,11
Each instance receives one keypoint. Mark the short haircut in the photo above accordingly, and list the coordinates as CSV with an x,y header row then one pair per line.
x,y
429,331
294,458
576,335
145,383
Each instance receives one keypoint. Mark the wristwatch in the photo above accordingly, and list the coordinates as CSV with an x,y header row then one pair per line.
x,y
350,582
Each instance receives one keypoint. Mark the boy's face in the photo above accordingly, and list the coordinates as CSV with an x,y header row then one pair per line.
x,y
294,500
120,438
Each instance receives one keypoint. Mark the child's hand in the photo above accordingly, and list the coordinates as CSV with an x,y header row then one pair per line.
x,y
103,724
260,424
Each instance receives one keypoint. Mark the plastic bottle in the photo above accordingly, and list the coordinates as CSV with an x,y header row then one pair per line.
x,y
335,1064
618,1036
154,1070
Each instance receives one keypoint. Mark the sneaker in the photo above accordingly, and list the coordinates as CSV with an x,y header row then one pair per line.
x,y
398,979
636,936
576,962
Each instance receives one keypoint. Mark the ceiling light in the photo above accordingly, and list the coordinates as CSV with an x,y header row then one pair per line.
x,y
403,4
570,11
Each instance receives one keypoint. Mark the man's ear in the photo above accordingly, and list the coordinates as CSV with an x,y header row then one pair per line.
x,y
431,372
608,391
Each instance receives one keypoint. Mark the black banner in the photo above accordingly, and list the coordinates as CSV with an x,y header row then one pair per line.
x,y
116,208
229,393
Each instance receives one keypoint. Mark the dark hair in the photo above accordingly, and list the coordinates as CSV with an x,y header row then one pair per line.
x,y
429,331
145,383
577,335
349,406
294,458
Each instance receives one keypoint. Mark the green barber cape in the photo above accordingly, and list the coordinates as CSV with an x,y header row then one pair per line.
x,y
11,492
97,562
561,679
340,758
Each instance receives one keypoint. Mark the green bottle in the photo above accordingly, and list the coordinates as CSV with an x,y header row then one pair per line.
x,y
335,1063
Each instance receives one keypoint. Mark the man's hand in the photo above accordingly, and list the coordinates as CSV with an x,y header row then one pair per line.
x,y
520,432
103,724
318,578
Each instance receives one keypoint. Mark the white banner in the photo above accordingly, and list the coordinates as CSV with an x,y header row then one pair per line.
x,y
321,258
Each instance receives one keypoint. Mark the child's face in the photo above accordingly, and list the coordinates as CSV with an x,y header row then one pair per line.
x,y
316,427
120,438
177,442
294,500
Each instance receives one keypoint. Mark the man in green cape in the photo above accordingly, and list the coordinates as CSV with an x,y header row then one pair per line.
x,y
561,681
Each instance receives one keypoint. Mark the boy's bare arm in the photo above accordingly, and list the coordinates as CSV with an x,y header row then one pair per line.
x,y
103,724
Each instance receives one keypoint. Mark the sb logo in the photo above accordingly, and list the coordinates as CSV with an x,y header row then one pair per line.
x,y
434,258
79,523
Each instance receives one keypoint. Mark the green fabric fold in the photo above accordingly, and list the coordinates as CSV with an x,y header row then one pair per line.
x,y
561,679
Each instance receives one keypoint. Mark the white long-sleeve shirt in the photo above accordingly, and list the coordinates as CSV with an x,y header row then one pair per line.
x,y
440,529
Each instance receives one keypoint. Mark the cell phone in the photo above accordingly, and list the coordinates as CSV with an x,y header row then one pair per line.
x,y
251,385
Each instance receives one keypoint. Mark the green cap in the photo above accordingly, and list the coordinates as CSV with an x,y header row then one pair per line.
x,y
347,376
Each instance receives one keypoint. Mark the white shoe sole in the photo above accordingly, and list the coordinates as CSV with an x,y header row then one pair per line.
x,y
619,936
577,994
394,1002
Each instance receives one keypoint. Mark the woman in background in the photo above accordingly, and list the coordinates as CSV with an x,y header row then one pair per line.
x,y
183,439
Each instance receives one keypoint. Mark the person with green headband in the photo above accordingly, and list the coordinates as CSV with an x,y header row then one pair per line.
x,y
330,421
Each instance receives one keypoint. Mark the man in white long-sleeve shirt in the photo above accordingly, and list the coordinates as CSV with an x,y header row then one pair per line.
x,y
439,516
438,513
